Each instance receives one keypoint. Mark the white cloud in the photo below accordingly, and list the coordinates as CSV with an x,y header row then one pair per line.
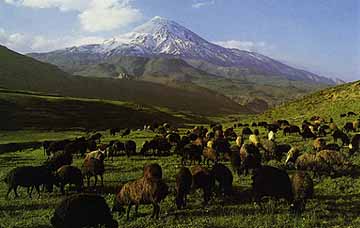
x,y
94,15
201,3
107,15
244,45
26,43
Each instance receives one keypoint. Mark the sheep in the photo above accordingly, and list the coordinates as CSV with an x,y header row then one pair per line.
x,y
96,137
141,191
246,131
274,150
201,178
235,159
83,210
325,161
307,133
356,124
93,167
210,155
58,160
319,144
272,182
191,152
183,186
130,147
302,189
351,113
152,171
224,177
115,147
97,154
250,157
69,175
355,144
291,129
349,127
113,131
30,177
337,134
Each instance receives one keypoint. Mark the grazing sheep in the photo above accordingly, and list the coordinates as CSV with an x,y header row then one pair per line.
x,y
183,186
307,133
93,167
341,135
272,182
246,131
97,154
30,177
355,144
69,175
303,189
291,129
141,191
319,144
349,127
59,159
250,157
130,147
83,210
210,155
191,152
114,148
274,150
342,115
113,131
46,145
152,171
273,127
56,146
201,178
351,113
224,177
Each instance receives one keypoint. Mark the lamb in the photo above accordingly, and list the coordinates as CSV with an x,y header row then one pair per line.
x,y
83,210
303,189
152,171
30,177
69,175
93,167
141,191
183,186
224,177
273,182
202,179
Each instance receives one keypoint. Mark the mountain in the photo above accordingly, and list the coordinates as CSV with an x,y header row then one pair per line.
x,y
161,37
330,102
19,72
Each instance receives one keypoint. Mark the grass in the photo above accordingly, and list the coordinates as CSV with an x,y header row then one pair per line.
x,y
336,202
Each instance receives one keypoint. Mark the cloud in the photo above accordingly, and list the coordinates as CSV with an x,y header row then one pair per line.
x,y
25,43
93,15
108,15
201,3
244,45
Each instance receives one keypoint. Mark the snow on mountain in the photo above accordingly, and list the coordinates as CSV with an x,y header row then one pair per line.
x,y
166,38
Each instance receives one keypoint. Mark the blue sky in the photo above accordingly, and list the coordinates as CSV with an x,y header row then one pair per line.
x,y
322,36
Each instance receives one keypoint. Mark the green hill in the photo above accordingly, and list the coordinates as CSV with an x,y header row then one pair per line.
x,y
327,103
19,72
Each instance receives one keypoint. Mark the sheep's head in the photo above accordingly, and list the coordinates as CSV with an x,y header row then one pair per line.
x,y
292,155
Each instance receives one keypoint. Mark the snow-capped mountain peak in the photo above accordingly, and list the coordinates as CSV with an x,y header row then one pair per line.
x,y
163,37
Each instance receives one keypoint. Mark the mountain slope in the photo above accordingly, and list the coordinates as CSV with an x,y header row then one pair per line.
x,y
24,73
327,103
166,38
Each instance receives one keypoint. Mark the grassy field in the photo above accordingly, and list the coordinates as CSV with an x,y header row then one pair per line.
x,y
336,202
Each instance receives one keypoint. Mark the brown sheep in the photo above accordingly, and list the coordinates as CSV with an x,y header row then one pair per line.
x,y
183,186
68,174
152,171
93,167
202,179
302,188
224,177
250,157
141,191
210,155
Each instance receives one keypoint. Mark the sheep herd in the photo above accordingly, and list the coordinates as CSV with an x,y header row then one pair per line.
x,y
204,154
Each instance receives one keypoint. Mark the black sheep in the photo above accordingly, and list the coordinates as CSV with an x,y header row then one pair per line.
x,y
224,177
130,147
30,177
202,179
183,186
273,182
341,135
83,210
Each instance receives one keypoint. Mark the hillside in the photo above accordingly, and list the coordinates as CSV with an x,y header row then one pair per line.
x,y
327,103
18,72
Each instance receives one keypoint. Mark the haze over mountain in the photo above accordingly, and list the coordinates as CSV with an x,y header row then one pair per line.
x,y
161,37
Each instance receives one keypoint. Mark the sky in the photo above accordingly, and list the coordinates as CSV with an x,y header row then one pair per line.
x,y
322,36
